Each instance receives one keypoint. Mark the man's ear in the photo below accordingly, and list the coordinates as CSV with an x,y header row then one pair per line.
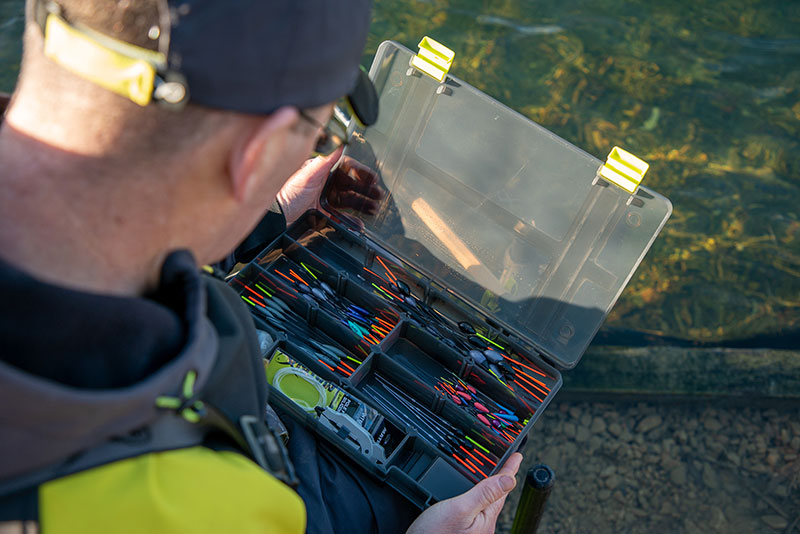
x,y
252,146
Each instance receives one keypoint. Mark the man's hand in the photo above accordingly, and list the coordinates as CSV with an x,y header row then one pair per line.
x,y
353,185
473,512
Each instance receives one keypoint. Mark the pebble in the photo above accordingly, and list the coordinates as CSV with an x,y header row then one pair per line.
x,y
570,430
613,481
608,471
678,475
582,434
690,526
595,443
648,423
615,429
714,446
773,458
669,462
668,509
598,425
718,520
712,425
775,522
710,477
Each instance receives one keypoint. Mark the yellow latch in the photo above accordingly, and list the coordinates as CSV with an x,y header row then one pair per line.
x,y
433,58
624,169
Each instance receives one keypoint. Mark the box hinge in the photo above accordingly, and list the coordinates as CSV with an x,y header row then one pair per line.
x,y
433,58
623,169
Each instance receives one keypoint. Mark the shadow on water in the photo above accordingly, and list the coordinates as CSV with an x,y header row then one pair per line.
x,y
788,339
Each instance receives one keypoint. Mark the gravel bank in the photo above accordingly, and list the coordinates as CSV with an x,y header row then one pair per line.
x,y
667,468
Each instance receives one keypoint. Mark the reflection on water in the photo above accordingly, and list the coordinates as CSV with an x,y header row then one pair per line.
x,y
706,92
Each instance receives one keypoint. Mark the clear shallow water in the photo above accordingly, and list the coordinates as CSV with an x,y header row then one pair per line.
x,y
11,16
707,92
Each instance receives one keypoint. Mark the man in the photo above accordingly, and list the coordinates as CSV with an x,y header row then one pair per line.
x,y
131,391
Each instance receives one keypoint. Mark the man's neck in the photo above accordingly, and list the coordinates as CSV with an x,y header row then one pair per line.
x,y
88,207
49,203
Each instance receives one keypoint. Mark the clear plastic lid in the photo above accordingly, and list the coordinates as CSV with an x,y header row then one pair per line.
x,y
503,213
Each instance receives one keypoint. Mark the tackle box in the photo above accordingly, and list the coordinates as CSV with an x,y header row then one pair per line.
x,y
424,339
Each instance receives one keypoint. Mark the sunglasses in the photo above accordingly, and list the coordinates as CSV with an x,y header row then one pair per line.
x,y
332,135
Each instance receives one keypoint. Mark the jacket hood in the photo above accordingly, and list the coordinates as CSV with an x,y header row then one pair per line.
x,y
78,368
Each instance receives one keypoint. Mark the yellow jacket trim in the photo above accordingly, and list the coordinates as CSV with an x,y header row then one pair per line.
x,y
194,490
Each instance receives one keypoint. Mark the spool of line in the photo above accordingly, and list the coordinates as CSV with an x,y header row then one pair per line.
x,y
304,389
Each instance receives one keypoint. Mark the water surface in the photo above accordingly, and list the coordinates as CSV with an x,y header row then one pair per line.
x,y
706,92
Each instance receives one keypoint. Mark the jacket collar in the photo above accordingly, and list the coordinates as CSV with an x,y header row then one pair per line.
x,y
77,367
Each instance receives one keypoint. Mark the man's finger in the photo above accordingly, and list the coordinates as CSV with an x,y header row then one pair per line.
x,y
511,466
492,489
490,499
485,493
494,509
323,163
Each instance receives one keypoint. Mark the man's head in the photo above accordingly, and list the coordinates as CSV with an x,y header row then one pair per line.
x,y
249,67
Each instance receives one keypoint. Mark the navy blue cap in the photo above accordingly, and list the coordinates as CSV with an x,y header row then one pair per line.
x,y
254,56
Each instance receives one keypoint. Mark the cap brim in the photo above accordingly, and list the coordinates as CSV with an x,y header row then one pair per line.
x,y
363,99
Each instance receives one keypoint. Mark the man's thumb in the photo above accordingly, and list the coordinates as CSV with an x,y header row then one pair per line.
x,y
489,491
